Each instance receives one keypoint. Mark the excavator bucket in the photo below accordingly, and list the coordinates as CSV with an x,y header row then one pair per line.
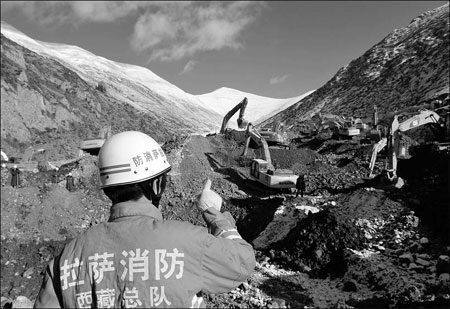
x,y
242,123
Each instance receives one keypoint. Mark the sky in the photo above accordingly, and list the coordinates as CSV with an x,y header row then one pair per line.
x,y
276,49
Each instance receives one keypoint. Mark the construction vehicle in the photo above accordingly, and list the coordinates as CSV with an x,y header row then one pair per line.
x,y
350,128
307,129
242,123
359,124
92,145
276,135
339,126
397,148
373,133
262,169
33,160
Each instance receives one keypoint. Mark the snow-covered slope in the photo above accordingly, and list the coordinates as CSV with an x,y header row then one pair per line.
x,y
135,85
258,109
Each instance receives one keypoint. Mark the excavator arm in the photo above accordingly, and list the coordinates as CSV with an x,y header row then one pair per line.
x,y
393,139
375,150
253,134
241,121
418,120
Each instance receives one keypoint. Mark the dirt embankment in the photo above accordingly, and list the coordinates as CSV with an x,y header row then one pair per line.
x,y
343,244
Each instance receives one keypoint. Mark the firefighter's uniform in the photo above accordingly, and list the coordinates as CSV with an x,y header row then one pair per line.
x,y
137,259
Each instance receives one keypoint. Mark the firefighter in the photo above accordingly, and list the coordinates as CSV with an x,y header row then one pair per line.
x,y
15,176
300,185
70,186
55,176
137,258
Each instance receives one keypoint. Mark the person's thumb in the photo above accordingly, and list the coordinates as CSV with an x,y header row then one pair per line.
x,y
209,198
207,185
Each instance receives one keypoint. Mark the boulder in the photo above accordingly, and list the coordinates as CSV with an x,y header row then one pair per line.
x,y
422,262
22,302
406,258
443,264
424,241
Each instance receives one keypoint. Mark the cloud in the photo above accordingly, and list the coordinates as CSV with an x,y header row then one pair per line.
x,y
166,30
74,13
189,66
176,32
44,13
278,79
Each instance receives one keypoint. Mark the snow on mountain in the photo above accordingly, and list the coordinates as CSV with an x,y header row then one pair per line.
x,y
135,85
258,109
145,91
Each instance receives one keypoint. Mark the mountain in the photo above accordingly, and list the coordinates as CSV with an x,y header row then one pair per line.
x,y
54,91
407,69
60,94
258,108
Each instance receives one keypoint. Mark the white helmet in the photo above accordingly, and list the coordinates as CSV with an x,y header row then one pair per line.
x,y
130,157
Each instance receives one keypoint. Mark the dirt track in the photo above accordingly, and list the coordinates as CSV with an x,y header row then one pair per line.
x,y
343,244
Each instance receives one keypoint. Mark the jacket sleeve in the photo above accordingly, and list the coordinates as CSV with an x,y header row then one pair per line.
x,y
47,297
228,260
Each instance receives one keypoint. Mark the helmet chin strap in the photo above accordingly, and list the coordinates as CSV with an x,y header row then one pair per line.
x,y
154,188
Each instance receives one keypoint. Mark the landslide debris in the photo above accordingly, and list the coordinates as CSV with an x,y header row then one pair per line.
x,y
344,244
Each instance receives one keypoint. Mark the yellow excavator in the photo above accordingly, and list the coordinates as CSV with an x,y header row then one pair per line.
x,y
262,170
395,148
242,122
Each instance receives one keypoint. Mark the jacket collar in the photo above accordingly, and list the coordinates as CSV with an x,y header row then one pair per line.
x,y
142,207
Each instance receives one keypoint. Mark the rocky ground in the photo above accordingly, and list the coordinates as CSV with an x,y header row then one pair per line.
x,y
348,242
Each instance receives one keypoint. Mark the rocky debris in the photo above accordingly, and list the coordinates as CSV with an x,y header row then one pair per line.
x,y
318,242
19,302
358,247
22,302
284,220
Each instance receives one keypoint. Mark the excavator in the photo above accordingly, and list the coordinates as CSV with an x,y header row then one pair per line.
x,y
373,133
262,169
350,128
396,149
340,126
276,135
242,123
34,159
92,145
